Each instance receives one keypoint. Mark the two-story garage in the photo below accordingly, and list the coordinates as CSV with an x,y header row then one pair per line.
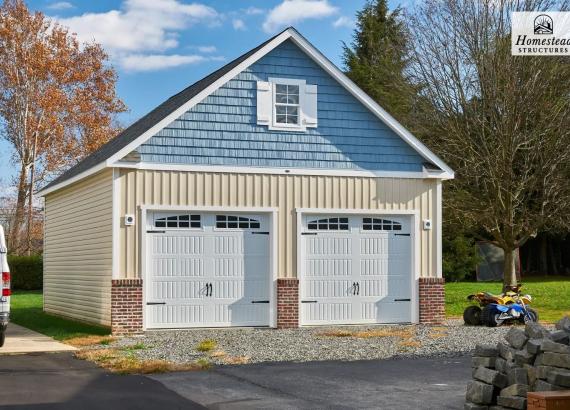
x,y
273,192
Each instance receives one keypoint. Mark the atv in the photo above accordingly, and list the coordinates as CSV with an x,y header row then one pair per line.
x,y
495,314
472,314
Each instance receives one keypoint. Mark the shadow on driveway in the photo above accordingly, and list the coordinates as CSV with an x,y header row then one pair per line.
x,y
427,383
59,381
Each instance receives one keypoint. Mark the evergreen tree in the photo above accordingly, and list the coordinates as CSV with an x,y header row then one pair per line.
x,y
377,59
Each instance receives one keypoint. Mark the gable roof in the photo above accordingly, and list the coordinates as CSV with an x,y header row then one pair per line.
x,y
161,116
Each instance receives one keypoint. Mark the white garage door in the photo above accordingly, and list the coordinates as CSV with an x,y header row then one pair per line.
x,y
207,270
356,269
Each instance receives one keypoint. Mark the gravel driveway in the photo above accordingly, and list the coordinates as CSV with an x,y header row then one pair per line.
x,y
256,345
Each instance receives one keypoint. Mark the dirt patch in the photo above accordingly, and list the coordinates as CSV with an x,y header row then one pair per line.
x,y
401,333
90,341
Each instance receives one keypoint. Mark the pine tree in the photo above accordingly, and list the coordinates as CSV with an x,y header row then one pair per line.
x,y
377,59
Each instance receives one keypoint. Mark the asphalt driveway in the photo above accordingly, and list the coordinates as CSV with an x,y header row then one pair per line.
x,y
427,383
59,381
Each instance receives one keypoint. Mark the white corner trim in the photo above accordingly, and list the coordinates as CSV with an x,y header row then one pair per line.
x,y
115,274
70,181
439,230
279,171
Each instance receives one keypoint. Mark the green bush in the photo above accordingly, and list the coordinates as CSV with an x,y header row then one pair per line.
x,y
26,272
460,258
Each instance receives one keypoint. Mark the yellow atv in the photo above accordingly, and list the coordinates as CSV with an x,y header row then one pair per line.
x,y
472,314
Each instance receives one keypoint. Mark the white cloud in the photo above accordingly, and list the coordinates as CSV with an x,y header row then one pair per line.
x,y
61,5
251,11
140,24
293,11
207,49
238,24
153,62
343,21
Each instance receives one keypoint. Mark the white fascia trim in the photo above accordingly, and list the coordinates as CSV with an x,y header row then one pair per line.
x,y
279,171
76,178
312,211
328,66
242,209
318,57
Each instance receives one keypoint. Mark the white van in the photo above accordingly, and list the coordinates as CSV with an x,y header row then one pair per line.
x,y
4,287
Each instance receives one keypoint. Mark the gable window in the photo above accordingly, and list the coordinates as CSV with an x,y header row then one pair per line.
x,y
178,221
287,104
328,224
378,224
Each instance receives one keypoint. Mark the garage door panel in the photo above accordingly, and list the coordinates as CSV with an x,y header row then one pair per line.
x,y
329,288
240,314
167,267
328,267
328,312
178,289
330,246
176,315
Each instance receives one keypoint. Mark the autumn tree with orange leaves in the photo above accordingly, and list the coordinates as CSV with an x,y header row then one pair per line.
x,y
57,103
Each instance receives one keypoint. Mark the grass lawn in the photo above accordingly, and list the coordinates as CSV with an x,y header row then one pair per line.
x,y
550,295
26,310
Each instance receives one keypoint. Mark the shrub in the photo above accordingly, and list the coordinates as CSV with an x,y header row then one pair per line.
x,y
460,258
26,272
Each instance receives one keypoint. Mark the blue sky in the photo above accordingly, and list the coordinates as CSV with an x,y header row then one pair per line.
x,y
161,46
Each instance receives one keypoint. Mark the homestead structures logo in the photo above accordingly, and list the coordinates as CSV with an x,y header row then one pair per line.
x,y
543,24
540,33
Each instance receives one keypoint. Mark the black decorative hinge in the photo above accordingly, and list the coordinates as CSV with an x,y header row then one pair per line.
x,y
402,234
260,233
156,303
259,301
308,301
402,300
155,231
308,233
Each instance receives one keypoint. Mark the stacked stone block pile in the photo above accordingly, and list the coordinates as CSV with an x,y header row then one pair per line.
x,y
533,359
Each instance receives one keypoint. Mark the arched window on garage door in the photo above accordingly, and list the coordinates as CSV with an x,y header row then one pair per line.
x,y
328,224
178,221
380,224
236,222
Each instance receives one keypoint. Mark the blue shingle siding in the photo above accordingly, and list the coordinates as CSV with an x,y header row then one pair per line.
x,y
223,130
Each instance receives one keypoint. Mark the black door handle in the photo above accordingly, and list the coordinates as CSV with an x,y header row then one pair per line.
x,y
211,290
358,288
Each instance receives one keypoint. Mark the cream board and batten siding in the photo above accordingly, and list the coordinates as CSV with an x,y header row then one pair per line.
x,y
78,249
285,192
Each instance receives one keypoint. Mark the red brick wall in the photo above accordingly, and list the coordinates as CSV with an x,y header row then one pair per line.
x,y
126,306
432,300
287,303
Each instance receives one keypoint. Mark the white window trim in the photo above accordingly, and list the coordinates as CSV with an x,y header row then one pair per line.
x,y
300,126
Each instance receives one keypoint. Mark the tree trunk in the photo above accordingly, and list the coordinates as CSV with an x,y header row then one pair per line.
x,y
509,270
543,256
30,210
20,209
